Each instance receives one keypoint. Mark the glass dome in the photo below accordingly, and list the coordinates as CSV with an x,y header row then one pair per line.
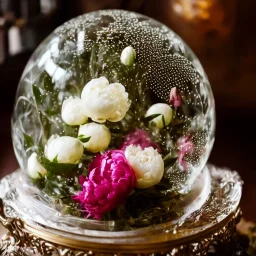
x,y
109,89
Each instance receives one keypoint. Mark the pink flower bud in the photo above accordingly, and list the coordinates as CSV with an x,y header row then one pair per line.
x,y
175,98
185,146
139,138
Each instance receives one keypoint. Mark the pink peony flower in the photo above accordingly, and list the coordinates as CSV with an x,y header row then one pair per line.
x,y
139,138
175,98
110,181
185,146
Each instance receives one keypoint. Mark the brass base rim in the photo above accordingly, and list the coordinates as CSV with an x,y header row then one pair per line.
x,y
227,225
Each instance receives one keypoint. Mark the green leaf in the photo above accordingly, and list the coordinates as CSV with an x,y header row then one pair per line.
x,y
151,117
163,120
170,161
40,176
48,84
39,182
40,149
51,112
83,139
55,160
56,168
28,141
37,94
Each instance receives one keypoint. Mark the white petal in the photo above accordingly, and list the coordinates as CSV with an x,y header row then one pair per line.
x,y
147,164
100,136
66,148
73,110
100,104
34,167
164,110
95,83
119,91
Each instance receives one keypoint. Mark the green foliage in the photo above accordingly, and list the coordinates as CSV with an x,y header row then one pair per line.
x,y
55,167
37,94
146,207
151,117
46,99
163,120
83,139
55,160
28,141
61,188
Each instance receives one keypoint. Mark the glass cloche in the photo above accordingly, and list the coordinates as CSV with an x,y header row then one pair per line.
x,y
114,119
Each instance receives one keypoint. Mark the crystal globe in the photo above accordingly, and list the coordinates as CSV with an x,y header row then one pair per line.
x,y
114,116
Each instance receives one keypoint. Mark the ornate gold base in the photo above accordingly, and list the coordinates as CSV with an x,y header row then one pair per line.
x,y
22,241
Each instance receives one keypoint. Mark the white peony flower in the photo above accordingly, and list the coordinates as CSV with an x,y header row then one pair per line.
x,y
34,167
128,56
147,164
104,101
67,149
100,82
99,136
164,111
73,111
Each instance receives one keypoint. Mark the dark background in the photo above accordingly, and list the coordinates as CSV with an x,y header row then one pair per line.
x,y
221,33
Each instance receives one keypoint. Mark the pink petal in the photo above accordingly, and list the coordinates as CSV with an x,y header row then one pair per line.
x,y
175,98
110,181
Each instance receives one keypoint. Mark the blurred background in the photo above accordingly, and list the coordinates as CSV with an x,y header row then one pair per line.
x,y
220,32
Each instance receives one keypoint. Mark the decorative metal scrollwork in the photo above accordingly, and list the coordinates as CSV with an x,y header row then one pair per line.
x,y
19,242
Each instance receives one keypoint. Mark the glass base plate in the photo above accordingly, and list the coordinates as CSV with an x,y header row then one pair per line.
x,y
210,214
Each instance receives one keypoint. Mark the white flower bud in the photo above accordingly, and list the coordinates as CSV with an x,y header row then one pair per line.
x,y
99,136
34,167
104,101
67,149
73,111
164,111
128,56
147,164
